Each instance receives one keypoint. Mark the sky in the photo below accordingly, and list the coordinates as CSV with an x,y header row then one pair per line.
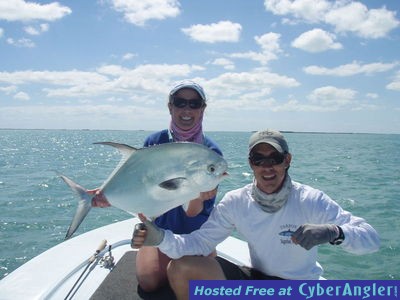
x,y
291,65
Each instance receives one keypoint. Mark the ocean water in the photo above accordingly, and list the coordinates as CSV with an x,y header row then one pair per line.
x,y
359,171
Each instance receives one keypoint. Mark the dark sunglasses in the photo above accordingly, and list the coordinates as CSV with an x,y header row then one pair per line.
x,y
182,103
274,159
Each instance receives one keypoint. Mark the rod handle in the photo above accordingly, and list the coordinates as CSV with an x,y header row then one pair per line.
x,y
99,249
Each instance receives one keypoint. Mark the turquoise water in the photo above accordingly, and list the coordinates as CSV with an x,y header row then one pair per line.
x,y
360,171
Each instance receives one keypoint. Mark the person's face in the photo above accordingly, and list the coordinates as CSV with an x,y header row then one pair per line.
x,y
269,176
185,118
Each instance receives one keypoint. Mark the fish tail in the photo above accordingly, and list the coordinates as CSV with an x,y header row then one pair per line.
x,y
84,205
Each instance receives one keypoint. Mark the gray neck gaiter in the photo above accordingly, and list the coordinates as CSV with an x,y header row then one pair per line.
x,y
272,202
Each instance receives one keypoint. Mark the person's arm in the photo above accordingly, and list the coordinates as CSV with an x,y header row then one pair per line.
x,y
336,226
175,246
360,237
199,242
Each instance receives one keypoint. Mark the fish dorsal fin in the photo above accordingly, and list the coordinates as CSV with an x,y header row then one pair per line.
x,y
173,184
124,149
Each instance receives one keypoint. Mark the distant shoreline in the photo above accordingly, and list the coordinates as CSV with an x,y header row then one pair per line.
x,y
152,130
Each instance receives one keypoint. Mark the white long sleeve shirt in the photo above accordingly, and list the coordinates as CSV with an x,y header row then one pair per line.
x,y
269,234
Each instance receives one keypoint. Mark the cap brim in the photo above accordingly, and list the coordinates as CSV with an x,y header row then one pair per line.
x,y
272,143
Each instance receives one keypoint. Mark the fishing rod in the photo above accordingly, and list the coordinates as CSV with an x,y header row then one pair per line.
x,y
47,295
90,261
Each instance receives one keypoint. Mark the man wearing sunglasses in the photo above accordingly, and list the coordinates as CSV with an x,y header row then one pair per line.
x,y
282,220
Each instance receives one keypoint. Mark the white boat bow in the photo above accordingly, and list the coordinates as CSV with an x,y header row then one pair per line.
x,y
64,272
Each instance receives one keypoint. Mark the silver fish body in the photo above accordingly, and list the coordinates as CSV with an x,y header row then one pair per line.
x,y
155,179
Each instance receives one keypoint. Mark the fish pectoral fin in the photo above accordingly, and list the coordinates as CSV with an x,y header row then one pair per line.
x,y
173,184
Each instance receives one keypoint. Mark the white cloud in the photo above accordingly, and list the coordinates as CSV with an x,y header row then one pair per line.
x,y
270,49
32,30
139,12
113,70
316,40
129,56
52,77
109,116
223,31
395,84
260,57
331,96
21,96
19,10
153,77
227,64
269,42
293,105
148,86
9,89
309,10
372,95
344,16
253,91
109,79
21,43
355,17
1,32
234,90
350,69
149,83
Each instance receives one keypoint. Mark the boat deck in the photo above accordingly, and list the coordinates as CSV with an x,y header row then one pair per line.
x,y
121,283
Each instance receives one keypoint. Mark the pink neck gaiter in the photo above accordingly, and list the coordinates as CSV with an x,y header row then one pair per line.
x,y
195,134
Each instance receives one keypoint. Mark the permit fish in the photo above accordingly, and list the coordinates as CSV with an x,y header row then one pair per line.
x,y
286,233
153,180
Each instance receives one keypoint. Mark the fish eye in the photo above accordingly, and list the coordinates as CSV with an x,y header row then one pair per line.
x,y
211,168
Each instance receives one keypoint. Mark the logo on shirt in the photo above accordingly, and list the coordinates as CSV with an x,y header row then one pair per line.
x,y
286,233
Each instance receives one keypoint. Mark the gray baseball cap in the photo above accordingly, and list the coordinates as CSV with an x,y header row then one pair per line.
x,y
188,84
271,137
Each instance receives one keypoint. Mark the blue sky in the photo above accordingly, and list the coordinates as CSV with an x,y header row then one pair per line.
x,y
300,65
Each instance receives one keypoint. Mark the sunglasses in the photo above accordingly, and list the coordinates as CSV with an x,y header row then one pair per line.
x,y
257,159
182,103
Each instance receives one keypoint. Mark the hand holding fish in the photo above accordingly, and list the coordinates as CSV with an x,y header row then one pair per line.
x,y
99,199
146,233
195,206
208,195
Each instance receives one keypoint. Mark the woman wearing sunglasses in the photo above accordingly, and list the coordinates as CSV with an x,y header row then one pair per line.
x,y
282,220
186,104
